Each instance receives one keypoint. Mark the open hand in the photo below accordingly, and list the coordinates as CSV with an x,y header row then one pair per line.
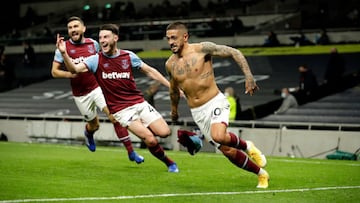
x,y
174,116
60,43
250,86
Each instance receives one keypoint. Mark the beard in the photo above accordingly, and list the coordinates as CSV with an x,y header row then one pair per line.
x,y
77,39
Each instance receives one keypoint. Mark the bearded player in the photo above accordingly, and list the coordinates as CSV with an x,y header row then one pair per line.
x,y
87,94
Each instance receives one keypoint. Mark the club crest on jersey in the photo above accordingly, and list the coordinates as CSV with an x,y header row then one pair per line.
x,y
106,65
91,49
125,64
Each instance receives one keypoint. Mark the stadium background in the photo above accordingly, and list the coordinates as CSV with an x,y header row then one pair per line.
x,y
40,99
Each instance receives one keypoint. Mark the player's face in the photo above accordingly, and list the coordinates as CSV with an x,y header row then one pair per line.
x,y
108,41
76,30
176,39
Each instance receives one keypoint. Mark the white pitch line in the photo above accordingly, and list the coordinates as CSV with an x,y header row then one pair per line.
x,y
180,194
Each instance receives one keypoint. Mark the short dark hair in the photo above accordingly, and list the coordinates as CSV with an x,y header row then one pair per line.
x,y
72,18
176,25
110,27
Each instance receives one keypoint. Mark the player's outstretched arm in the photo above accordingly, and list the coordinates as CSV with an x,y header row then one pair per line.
x,y
58,72
227,51
154,74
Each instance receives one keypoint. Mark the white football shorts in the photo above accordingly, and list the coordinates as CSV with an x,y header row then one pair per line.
x,y
89,103
216,110
143,111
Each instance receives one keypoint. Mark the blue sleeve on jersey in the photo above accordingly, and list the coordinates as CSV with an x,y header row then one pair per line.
x,y
96,44
92,62
58,57
136,62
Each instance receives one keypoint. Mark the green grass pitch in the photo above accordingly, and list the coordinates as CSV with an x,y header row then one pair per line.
x,y
70,173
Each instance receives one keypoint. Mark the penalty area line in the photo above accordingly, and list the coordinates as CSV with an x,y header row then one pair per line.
x,y
180,194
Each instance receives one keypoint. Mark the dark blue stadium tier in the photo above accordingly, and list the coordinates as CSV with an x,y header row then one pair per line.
x,y
343,107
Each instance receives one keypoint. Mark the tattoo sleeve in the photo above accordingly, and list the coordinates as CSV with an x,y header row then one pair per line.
x,y
173,90
175,97
226,51
242,62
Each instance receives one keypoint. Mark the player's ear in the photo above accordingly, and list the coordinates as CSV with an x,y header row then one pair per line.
x,y
186,36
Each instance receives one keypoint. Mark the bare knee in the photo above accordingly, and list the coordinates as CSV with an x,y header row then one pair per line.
x,y
164,132
219,137
150,141
161,131
160,128
93,126
218,133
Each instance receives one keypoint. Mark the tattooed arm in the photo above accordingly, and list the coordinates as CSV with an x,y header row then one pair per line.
x,y
174,92
226,51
